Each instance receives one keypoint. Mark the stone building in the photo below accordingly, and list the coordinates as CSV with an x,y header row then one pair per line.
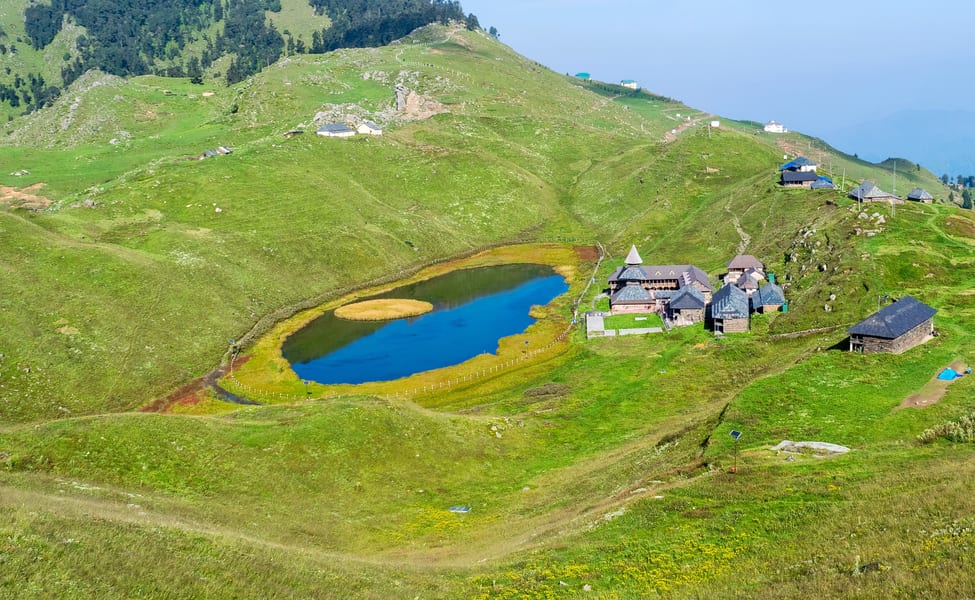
x,y
895,328
729,312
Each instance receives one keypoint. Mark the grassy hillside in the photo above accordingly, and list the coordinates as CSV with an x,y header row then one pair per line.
x,y
602,465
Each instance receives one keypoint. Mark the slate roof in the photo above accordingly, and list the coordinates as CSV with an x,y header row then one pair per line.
x,y
797,163
767,295
823,183
798,176
747,281
894,320
687,298
631,273
633,257
335,128
919,194
684,274
868,190
371,125
665,294
745,261
631,294
729,303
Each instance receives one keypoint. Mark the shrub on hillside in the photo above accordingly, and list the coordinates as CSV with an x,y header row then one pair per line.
x,y
962,430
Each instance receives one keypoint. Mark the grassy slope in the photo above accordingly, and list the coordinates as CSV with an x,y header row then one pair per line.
x,y
296,17
325,499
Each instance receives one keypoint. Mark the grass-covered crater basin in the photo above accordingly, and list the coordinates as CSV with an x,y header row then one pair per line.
x,y
472,310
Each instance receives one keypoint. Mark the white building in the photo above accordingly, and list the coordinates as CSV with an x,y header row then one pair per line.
x,y
335,130
369,128
773,127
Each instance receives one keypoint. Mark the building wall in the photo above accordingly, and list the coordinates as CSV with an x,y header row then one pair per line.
x,y
731,325
897,345
797,184
888,199
769,308
626,309
689,316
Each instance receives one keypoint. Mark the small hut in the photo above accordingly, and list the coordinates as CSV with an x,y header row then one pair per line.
x,y
729,310
768,298
895,328
687,306
869,192
920,195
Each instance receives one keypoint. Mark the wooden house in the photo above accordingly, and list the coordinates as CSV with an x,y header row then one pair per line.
x,y
741,263
635,287
920,195
895,328
749,281
869,192
729,312
632,298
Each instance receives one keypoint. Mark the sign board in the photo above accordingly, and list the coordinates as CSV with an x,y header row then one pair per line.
x,y
735,434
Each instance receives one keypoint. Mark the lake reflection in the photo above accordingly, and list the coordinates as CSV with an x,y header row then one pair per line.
x,y
473,309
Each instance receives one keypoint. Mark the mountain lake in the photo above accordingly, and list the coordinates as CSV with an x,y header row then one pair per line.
x,y
472,310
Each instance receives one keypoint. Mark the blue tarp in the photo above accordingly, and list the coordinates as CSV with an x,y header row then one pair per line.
x,y
949,374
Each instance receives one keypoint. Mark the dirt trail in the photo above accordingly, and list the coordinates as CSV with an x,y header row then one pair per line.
x,y
673,132
932,391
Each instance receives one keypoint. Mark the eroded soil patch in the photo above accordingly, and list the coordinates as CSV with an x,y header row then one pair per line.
x,y
932,392
24,197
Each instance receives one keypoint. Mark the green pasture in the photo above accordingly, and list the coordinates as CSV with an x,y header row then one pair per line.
x,y
604,465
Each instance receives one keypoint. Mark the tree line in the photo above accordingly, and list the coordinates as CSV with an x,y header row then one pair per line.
x,y
362,23
965,183
136,37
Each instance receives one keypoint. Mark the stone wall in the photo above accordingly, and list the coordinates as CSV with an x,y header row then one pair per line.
x,y
900,344
731,325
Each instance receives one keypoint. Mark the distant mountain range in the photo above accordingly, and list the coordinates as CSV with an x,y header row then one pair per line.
x,y
941,140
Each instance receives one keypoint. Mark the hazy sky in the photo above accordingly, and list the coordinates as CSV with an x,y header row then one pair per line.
x,y
816,67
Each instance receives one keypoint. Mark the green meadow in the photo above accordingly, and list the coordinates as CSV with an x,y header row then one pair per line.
x,y
595,467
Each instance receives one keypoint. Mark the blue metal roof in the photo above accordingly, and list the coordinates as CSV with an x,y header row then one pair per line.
x,y
797,163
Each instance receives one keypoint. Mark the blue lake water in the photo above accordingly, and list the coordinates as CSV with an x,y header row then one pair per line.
x,y
473,309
